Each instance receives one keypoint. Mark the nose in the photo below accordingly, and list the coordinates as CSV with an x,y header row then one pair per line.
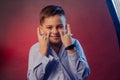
x,y
55,30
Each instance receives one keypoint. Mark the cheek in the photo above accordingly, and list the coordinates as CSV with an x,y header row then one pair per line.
x,y
46,30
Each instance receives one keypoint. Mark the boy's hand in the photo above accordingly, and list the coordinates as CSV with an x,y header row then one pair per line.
x,y
43,40
67,40
66,37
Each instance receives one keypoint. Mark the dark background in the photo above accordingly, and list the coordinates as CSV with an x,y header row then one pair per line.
x,y
91,24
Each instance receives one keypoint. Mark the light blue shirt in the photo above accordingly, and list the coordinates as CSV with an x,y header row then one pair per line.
x,y
64,66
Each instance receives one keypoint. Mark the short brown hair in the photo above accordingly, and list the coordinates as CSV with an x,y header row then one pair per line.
x,y
50,10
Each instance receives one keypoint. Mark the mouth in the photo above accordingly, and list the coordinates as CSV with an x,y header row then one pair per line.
x,y
55,36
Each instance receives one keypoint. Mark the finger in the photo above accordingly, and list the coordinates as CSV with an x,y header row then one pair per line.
x,y
48,34
61,33
44,36
41,31
71,34
68,29
38,32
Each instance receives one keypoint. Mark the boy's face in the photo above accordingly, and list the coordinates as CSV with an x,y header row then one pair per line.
x,y
54,24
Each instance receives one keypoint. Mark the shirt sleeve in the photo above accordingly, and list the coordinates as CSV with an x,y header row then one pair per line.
x,y
37,64
78,63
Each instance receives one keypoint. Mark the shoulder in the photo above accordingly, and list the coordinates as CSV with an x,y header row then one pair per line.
x,y
34,48
35,45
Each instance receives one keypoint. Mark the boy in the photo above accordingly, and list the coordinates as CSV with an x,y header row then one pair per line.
x,y
56,55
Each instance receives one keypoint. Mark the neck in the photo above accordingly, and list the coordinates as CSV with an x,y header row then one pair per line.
x,y
56,46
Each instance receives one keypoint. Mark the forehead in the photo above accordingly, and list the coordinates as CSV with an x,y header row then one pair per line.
x,y
54,20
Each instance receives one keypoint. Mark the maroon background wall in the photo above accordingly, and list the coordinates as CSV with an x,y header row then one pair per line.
x,y
90,22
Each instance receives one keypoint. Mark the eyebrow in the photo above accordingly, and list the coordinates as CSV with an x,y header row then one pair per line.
x,y
47,25
51,25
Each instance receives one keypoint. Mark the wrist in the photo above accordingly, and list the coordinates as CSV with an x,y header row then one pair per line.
x,y
70,47
43,52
